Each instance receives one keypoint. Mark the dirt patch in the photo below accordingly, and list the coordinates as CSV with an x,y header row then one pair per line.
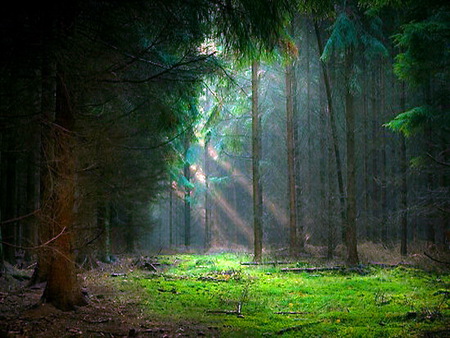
x,y
106,315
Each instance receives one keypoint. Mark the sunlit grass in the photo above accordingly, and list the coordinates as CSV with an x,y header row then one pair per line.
x,y
381,303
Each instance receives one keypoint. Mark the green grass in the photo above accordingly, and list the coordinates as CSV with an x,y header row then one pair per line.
x,y
400,302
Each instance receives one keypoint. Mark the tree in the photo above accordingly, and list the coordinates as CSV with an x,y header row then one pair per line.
x,y
422,63
332,126
256,158
294,244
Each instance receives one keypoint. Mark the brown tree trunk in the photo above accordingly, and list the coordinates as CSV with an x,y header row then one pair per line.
x,y
403,184
62,289
256,158
170,215
350,231
374,233
187,193
384,171
294,242
333,127
48,106
207,202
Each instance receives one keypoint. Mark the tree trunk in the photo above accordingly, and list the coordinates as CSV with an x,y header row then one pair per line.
x,y
33,189
350,231
256,158
293,240
366,157
334,134
8,198
383,178
374,233
170,214
103,227
62,289
403,184
207,202
187,193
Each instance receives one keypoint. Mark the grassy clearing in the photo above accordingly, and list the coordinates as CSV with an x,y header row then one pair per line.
x,y
398,302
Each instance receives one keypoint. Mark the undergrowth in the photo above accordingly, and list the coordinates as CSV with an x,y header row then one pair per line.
x,y
254,301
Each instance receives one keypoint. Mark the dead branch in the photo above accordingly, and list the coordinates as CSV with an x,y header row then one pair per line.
x,y
37,246
290,313
227,312
265,263
20,217
436,260
334,268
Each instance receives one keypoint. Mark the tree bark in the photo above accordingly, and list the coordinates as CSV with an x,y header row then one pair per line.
x,y
170,214
207,202
403,184
62,289
333,127
256,158
350,231
295,243
187,193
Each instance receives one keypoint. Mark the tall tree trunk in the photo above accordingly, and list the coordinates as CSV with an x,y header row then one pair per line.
x,y
47,112
350,231
103,227
403,184
130,235
309,122
294,242
9,197
62,289
33,189
187,193
375,153
333,127
170,214
256,158
383,178
207,202
366,145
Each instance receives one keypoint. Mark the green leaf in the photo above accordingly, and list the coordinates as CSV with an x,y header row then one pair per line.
x,y
411,121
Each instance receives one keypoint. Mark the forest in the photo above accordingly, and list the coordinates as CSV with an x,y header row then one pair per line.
x,y
225,168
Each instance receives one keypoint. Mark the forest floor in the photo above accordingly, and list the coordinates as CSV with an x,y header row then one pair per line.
x,y
106,315
217,295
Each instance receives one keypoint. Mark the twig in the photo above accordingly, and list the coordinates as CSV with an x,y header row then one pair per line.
x,y
227,312
265,263
436,260
310,269
37,246
290,313
20,217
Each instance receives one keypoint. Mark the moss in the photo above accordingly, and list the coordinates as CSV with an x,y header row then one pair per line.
x,y
328,304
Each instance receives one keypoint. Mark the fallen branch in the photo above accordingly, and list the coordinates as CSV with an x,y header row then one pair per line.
x,y
311,269
227,312
265,263
290,313
238,311
436,260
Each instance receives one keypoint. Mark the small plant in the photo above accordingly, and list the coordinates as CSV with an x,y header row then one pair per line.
x,y
381,298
